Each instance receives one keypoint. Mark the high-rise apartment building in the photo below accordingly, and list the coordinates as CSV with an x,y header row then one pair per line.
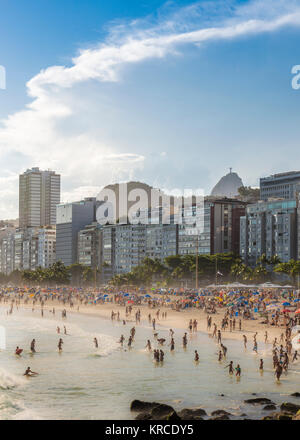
x,y
269,228
47,246
283,185
70,219
39,193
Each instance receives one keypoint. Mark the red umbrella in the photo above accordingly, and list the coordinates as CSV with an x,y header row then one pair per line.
x,y
286,311
297,311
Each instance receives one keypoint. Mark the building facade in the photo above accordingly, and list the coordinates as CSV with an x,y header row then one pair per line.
x,y
70,219
47,246
89,246
39,193
269,228
283,186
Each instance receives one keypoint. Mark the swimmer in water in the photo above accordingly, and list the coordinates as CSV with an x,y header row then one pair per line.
x,y
148,345
18,351
30,373
96,342
196,358
121,340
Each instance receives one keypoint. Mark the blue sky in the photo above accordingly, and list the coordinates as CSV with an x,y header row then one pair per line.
x,y
171,93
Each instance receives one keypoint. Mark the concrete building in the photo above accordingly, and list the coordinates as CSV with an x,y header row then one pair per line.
x,y
130,247
161,241
220,227
30,247
47,246
107,252
7,242
89,246
190,235
283,185
70,219
39,193
225,225
269,228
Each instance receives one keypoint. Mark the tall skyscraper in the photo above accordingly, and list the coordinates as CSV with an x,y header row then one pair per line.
x,y
39,193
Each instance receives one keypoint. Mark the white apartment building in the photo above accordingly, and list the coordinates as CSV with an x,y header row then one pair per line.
x,y
47,246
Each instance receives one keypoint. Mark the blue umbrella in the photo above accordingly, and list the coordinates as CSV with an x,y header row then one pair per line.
x,y
126,294
105,296
296,300
286,304
147,296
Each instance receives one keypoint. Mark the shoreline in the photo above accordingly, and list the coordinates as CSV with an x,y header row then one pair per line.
x,y
178,320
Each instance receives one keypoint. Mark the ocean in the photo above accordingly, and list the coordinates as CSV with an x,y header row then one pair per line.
x,y
83,382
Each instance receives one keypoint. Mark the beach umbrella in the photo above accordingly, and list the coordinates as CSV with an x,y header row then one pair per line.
x,y
297,312
126,294
286,311
296,300
286,304
105,296
147,296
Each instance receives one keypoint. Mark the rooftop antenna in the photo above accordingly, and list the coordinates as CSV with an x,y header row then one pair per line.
x,y
230,170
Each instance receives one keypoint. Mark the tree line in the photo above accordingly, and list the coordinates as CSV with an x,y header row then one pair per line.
x,y
174,270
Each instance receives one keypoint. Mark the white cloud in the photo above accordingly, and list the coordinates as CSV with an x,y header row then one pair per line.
x,y
48,131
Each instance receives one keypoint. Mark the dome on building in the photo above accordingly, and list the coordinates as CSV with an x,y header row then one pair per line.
x,y
228,185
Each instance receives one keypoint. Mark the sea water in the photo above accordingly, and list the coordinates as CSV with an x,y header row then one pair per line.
x,y
83,382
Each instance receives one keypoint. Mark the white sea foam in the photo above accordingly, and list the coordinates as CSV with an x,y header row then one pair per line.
x,y
9,380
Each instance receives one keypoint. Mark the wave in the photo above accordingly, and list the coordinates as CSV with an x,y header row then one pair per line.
x,y
9,381
14,410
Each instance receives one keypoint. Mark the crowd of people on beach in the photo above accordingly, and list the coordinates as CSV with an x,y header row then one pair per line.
x,y
275,307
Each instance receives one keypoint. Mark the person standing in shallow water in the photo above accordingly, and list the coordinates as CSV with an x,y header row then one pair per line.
x,y
172,344
32,346
230,366
261,365
238,370
60,343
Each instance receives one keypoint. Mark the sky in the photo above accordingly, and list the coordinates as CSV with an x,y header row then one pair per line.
x,y
171,93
